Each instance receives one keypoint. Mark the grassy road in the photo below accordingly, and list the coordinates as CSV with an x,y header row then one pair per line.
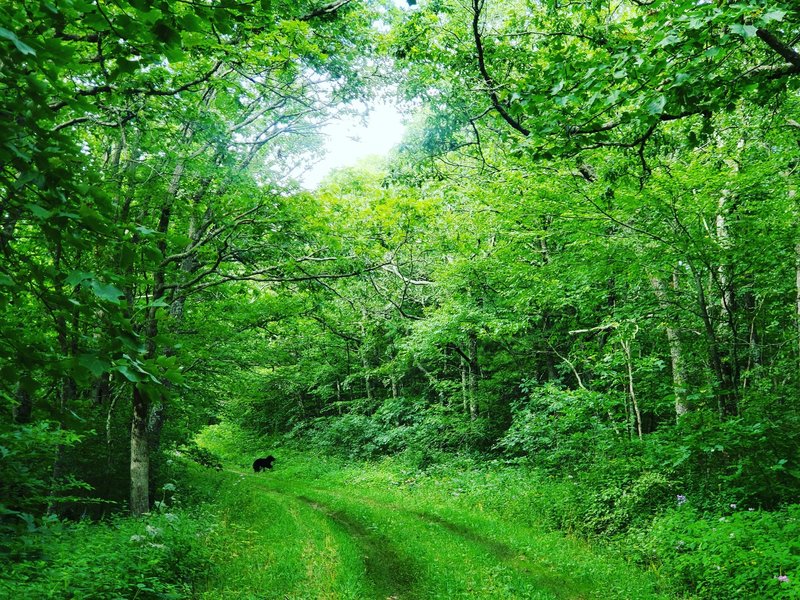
x,y
294,533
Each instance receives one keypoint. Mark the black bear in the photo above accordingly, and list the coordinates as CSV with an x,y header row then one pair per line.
x,y
263,463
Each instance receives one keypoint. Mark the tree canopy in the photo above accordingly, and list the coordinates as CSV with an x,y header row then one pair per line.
x,y
585,252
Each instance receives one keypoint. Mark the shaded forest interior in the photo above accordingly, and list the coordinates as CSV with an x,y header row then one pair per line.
x,y
582,261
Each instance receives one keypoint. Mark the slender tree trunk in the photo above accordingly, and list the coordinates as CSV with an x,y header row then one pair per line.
x,y
140,456
726,394
140,444
464,385
626,347
367,378
22,410
365,359
797,294
728,300
473,375
676,353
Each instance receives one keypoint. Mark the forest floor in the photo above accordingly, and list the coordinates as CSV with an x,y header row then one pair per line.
x,y
299,532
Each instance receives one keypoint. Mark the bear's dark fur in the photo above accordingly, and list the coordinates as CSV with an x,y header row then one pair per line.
x,y
263,463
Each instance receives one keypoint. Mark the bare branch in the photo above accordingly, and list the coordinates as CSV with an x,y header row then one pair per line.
x,y
328,9
392,268
787,52
477,6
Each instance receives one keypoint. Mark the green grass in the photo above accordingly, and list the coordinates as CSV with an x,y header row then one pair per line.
x,y
315,528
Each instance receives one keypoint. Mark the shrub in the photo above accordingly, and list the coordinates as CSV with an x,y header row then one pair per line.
x,y
160,556
202,456
27,454
741,554
561,429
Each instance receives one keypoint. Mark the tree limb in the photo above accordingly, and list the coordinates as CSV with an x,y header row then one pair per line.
x,y
787,52
477,6
322,11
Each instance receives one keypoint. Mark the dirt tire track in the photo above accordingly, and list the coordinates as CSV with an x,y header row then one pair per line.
x,y
509,556
391,574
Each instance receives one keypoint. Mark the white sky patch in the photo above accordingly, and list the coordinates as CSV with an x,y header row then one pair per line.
x,y
348,140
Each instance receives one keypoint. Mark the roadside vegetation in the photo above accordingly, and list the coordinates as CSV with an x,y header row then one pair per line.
x,y
557,328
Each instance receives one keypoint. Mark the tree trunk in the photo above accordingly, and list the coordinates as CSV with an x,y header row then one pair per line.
x,y
797,296
140,456
464,385
676,353
473,375
626,347
726,393
21,413
140,444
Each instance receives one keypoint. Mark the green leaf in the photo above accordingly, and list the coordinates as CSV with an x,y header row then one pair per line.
x,y
106,291
128,373
76,277
38,211
166,34
93,364
656,106
160,303
21,46
773,15
746,31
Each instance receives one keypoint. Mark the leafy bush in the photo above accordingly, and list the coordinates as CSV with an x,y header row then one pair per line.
x,y
561,429
160,556
397,426
753,461
352,435
202,456
741,554
27,455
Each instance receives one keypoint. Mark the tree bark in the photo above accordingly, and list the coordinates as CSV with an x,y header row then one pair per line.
x,y
21,412
464,385
473,375
626,347
140,423
676,353
726,393
797,292
140,455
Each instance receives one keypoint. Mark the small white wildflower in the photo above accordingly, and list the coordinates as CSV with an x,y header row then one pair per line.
x,y
153,531
733,506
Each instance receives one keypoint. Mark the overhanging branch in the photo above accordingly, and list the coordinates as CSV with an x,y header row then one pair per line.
x,y
787,52
477,7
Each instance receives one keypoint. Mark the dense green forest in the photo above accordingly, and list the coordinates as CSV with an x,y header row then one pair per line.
x,y
548,348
